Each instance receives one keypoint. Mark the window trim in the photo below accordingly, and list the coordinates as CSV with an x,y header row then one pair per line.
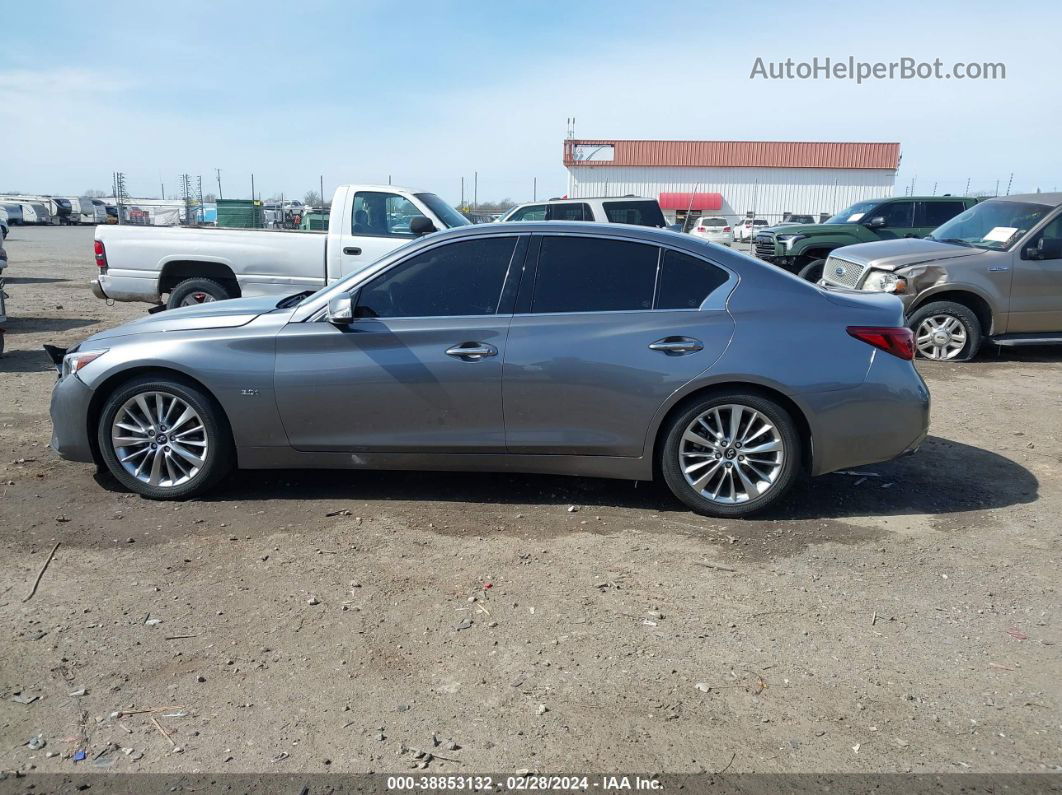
x,y
715,301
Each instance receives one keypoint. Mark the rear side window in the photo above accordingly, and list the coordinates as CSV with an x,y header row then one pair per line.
x,y
569,212
686,281
638,213
580,274
533,212
459,279
936,213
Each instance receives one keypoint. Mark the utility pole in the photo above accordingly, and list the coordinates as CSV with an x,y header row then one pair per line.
x,y
534,189
462,191
967,191
475,190
252,187
217,173
120,194
322,191
1010,182
997,187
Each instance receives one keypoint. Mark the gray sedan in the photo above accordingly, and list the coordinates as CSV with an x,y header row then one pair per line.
x,y
581,349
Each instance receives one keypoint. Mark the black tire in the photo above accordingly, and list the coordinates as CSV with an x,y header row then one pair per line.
x,y
963,314
208,288
1,343
785,430
813,270
218,462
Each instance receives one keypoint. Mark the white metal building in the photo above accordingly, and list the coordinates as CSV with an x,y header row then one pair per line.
x,y
733,178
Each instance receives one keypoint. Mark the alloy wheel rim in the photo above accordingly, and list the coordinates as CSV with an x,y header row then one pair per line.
x,y
159,439
731,454
196,298
940,337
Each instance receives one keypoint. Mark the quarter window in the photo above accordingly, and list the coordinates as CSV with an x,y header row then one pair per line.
x,y
582,274
639,213
686,281
459,279
382,215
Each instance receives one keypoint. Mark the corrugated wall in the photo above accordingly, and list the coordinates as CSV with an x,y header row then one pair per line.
x,y
769,191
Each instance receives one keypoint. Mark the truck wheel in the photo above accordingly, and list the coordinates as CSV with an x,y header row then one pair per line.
x,y
946,331
731,454
164,439
196,291
813,270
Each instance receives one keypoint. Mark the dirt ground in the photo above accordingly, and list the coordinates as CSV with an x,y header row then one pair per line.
x,y
905,619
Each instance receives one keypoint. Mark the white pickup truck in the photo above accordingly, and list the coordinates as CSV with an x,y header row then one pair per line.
x,y
200,264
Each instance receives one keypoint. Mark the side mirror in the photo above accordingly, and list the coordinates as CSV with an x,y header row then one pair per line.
x,y
341,309
421,226
1043,249
877,222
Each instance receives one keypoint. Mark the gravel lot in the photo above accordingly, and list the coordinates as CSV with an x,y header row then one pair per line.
x,y
903,619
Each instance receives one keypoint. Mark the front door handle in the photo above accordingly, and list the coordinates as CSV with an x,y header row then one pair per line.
x,y
472,351
677,346
352,250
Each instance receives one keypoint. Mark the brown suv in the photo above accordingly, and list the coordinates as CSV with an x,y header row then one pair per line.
x,y
993,272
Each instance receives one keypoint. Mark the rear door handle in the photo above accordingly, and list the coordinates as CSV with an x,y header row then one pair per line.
x,y
352,250
472,351
677,346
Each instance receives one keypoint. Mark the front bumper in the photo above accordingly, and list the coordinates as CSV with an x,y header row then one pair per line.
x,y
69,411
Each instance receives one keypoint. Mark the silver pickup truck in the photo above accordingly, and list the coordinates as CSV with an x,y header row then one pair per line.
x,y
993,272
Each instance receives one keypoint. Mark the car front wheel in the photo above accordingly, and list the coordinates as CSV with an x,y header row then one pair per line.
x,y
946,331
731,455
164,439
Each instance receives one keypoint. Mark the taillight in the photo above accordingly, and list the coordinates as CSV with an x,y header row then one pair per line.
x,y
898,341
101,253
701,229
726,228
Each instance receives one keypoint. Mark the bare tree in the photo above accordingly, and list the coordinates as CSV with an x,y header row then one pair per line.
x,y
312,198
210,197
95,194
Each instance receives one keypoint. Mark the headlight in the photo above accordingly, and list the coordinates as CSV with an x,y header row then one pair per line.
x,y
884,282
789,240
73,362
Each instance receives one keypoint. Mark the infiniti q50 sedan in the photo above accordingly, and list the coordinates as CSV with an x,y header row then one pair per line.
x,y
581,349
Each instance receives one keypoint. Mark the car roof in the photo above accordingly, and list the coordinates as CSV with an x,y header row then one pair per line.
x,y
647,234
590,198
1047,199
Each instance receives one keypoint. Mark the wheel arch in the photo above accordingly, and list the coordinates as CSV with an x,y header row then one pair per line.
x,y
656,438
967,297
115,381
175,271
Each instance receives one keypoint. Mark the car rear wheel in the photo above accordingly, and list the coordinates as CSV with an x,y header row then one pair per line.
x,y
813,270
946,331
731,454
164,439
195,291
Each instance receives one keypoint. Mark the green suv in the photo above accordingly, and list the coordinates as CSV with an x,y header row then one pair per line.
x,y
803,248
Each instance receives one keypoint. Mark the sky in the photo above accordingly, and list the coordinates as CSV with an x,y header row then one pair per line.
x,y
425,94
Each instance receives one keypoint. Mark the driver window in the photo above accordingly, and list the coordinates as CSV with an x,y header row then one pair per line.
x,y
382,215
1049,241
459,279
897,214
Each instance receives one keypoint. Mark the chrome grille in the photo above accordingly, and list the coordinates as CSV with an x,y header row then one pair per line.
x,y
764,245
842,272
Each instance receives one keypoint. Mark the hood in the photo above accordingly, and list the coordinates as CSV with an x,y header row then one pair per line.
x,y
891,255
217,314
808,229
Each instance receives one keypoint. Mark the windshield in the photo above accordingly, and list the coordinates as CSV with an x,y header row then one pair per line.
x,y
445,213
713,222
853,214
991,225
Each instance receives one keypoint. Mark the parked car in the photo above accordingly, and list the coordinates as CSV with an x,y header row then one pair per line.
x,y
803,249
478,218
4,227
746,228
993,272
800,219
3,295
582,349
617,210
715,230
197,265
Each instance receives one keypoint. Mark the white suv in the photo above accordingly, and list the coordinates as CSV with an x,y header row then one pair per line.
x,y
617,210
